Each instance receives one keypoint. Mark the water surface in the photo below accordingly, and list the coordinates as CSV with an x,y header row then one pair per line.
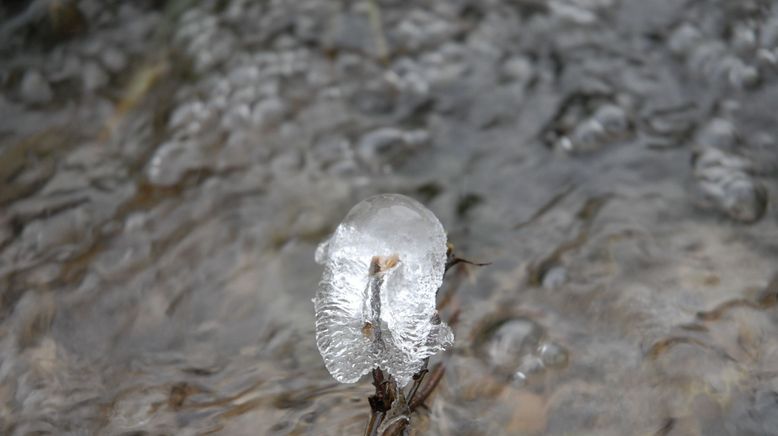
x,y
168,171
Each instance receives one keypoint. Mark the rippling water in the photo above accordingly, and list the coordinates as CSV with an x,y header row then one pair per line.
x,y
167,172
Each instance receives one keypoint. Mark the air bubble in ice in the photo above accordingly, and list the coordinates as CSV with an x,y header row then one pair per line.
x,y
375,306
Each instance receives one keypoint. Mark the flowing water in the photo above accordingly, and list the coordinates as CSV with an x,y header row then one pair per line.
x,y
168,168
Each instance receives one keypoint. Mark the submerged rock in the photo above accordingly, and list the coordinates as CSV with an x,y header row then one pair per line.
x,y
725,181
35,88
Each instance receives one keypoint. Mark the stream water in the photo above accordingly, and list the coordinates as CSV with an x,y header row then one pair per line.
x,y
168,168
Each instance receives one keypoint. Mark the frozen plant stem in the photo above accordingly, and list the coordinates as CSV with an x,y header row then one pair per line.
x,y
372,310
375,305
385,390
381,402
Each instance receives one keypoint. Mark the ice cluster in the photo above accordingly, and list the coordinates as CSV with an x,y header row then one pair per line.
x,y
375,306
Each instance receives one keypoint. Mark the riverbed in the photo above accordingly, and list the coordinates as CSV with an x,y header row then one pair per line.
x,y
168,171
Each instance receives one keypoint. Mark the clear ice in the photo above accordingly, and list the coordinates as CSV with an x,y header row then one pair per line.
x,y
375,306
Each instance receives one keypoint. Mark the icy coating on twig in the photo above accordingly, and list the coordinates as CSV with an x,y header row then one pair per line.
x,y
375,306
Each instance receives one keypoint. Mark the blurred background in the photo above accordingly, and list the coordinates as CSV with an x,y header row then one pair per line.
x,y
168,168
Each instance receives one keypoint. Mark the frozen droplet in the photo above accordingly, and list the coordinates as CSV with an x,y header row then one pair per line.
x,y
375,306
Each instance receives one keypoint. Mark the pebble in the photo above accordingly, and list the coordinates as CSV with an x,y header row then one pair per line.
x,y
511,342
725,184
555,277
93,77
113,59
35,89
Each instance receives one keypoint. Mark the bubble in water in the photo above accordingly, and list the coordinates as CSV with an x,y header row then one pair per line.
x,y
553,355
375,306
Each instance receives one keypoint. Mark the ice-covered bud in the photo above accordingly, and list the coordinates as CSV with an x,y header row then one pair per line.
x,y
375,306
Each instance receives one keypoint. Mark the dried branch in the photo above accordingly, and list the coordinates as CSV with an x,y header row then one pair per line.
x,y
452,259
419,397
396,428
381,402
435,376
417,379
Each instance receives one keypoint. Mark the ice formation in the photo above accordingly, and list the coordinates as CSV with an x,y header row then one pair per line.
x,y
375,306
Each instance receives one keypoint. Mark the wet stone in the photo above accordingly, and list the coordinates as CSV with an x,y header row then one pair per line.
x,y
612,118
93,77
420,29
171,162
34,88
719,133
375,99
724,183
555,277
113,59
507,343
390,145
65,232
352,32
33,316
741,197
756,413
286,163
586,124
518,69
684,38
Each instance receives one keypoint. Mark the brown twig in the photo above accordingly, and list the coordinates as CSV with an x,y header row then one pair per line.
x,y
436,374
452,259
417,379
395,428
420,396
375,421
381,402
